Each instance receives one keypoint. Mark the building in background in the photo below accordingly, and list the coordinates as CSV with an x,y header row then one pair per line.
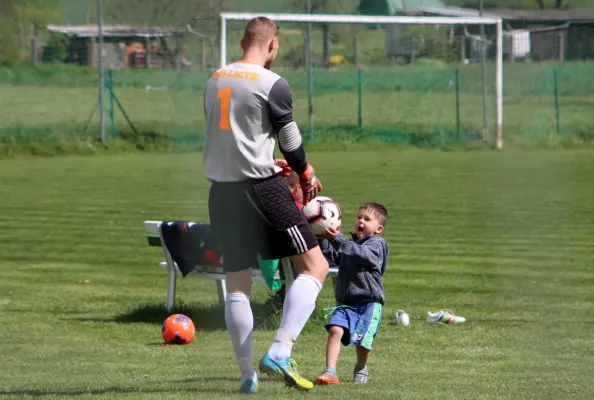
x,y
124,46
529,34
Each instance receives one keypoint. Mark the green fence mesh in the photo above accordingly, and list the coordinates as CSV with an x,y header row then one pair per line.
x,y
418,105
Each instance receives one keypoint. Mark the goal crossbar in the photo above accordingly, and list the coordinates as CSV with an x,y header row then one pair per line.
x,y
363,19
368,19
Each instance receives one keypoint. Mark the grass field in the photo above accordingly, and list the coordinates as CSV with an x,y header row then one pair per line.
x,y
504,239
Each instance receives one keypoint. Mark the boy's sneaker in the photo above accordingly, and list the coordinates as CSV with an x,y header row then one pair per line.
x,y
285,371
249,386
401,318
327,378
444,317
360,375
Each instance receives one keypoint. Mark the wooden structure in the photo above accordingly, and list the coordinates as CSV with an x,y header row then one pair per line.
x,y
124,46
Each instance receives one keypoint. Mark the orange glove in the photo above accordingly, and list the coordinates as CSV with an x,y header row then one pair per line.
x,y
310,184
286,170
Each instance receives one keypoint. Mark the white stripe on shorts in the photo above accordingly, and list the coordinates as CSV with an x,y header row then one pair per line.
x,y
293,239
297,239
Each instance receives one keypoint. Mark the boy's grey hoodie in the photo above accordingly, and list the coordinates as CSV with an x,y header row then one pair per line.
x,y
361,264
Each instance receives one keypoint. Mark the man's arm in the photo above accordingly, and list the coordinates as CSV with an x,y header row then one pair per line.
x,y
280,103
289,138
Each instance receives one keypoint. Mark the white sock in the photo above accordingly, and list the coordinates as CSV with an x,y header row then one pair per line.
x,y
300,302
240,323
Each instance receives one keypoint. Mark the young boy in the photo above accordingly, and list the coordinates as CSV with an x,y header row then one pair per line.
x,y
359,289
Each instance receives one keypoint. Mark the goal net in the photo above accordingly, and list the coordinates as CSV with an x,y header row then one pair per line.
x,y
415,79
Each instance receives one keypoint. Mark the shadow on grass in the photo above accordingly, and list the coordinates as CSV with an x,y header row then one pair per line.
x,y
206,317
211,317
115,390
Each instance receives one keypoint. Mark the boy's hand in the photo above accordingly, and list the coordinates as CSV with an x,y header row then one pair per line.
x,y
330,233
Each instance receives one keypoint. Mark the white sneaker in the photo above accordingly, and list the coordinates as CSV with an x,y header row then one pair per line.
x,y
444,317
401,318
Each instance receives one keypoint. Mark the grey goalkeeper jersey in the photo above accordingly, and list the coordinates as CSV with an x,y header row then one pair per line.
x,y
245,105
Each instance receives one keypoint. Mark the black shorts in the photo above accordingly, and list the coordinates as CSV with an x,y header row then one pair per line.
x,y
257,217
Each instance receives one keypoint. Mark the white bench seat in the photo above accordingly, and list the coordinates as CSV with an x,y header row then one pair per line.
x,y
215,272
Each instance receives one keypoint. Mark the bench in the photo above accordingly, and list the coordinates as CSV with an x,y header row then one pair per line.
x,y
215,272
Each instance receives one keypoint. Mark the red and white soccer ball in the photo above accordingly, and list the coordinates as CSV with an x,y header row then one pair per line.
x,y
322,213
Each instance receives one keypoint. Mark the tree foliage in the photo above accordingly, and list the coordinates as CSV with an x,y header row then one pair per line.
x,y
323,6
19,20
162,12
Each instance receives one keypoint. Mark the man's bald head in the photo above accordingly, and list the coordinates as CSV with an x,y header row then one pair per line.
x,y
259,32
260,41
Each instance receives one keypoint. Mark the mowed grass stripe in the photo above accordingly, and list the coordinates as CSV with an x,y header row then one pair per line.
x,y
501,238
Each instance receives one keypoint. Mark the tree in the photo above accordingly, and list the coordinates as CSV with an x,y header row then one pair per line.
x,y
330,34
57,47
323,6
161,12
19,21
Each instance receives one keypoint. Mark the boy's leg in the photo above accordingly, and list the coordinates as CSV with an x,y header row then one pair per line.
x,y
362,357
329,376
335,334
360,372
366,328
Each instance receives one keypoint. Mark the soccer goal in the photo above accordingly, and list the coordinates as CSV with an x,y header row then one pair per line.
x,y
406,40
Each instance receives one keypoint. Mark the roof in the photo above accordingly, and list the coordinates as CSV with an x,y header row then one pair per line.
x,y
521,15
116,30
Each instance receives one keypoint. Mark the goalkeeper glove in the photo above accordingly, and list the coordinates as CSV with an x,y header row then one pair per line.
x,y
310,184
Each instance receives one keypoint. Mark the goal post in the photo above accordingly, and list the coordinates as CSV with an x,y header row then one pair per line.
x,y
404,20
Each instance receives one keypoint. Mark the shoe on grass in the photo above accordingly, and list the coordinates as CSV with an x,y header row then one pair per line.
x,y
249,386
285,370
327,378
444,317
360,375
401,318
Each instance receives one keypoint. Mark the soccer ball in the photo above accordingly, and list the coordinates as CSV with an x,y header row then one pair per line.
x,y
178,329
322,213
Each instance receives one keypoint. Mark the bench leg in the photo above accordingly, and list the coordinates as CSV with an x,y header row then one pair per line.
x,y
171,275
222,291
171,282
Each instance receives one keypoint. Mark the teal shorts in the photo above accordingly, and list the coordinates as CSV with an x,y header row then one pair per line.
x,y
360,323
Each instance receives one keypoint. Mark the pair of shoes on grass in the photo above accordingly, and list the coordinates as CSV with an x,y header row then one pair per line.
x,y
443,317
286,371
329,377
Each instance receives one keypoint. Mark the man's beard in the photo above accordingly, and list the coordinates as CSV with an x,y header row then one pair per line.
x,y
268,64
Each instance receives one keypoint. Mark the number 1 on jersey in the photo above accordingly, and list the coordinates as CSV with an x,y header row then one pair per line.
x,y
225,96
